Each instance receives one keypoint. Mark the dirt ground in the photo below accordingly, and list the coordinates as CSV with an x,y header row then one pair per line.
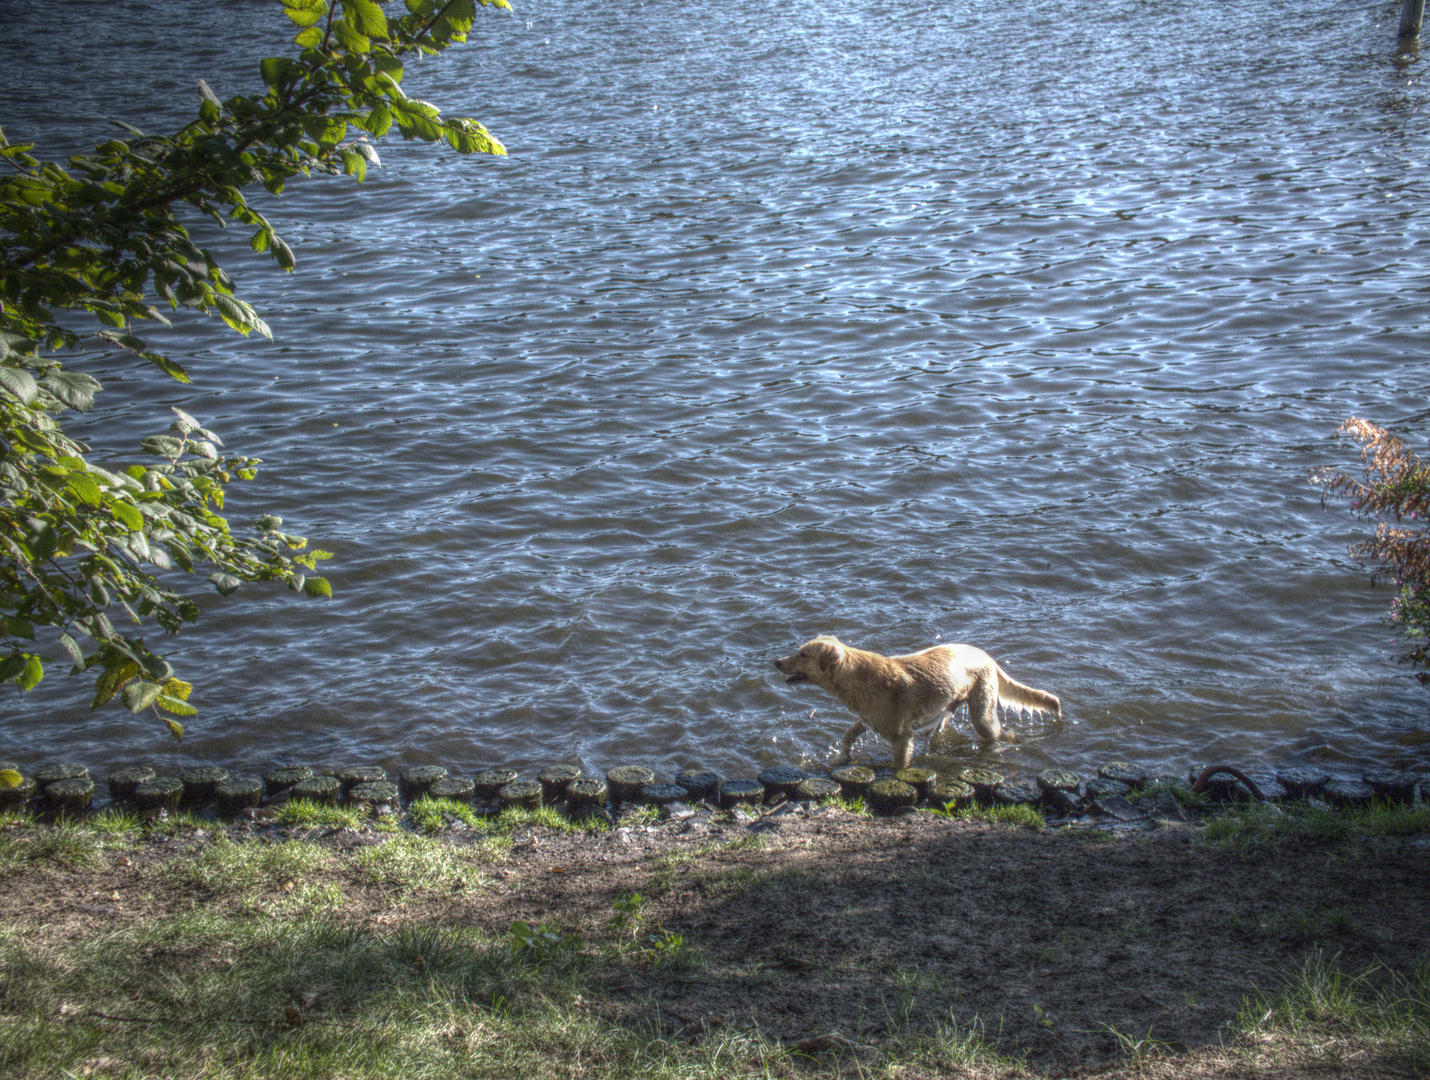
x,y
1072,946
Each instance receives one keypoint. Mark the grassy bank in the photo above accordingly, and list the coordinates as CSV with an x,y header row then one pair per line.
x,y
325,947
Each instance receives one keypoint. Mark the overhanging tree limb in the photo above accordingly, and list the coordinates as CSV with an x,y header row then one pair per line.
x,y
102,237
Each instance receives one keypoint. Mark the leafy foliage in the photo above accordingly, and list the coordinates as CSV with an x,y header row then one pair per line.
x,y
1394,487
105,238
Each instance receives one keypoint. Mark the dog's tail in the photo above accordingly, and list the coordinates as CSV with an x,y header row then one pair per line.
x,y
1014,695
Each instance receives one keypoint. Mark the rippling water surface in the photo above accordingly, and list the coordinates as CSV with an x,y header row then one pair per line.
x,y
934,322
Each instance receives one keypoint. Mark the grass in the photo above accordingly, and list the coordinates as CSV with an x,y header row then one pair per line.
x,y
268,976
407,865
1251,830
1027,816
1333,1015
430,815
225,995
304,813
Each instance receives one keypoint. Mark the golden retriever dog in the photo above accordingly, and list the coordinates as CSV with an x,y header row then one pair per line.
x,y
897,696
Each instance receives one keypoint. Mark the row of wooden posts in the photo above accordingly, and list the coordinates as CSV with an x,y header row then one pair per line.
x,y
69,789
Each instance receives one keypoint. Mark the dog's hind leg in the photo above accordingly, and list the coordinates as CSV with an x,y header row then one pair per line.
x,y
983,708
853,733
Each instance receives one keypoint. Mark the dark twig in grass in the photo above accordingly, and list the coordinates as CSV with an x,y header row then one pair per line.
x,y
210,1020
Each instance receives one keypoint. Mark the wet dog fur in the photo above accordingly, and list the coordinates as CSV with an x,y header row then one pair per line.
x,y
898,696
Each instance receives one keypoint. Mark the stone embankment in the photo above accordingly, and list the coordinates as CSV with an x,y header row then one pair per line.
x,y
69,789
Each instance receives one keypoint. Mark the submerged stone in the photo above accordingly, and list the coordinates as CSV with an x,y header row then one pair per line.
x,y
954,794
416,782
554,779
700,784
456,788
625,782
521,795
72,796
780,782
375,795
888,797
238,793
281,779
46,775
1134,776
741,793
123,782
853,780
15,797
1393,785
318,789
1116,807
586,795
816,789
920,779
1348,793
199,784
1103,788
489,782
1050,780
662,794
1016,793
1303,783
160,793
982,781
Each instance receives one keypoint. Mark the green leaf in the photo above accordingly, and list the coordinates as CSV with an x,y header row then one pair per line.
x,y
226,584
316,587
168,367
9,778
73,388
20,383
183,421
309,37
44,540
72,647
300,18
33,672
276,69
84,488
350,38
127,514
139,695
175,706
354,165
378,122
366,16
163,446
176,729
240,315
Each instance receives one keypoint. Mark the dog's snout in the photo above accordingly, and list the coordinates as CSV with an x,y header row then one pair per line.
x,y
779,665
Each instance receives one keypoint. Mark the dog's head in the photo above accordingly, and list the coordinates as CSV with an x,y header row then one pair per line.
x,y
814,662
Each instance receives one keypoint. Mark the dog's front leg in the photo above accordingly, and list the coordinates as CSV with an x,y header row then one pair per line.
x,y
853,733
903,751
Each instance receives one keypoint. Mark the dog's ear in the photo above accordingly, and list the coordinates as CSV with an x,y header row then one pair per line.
x,y
831,653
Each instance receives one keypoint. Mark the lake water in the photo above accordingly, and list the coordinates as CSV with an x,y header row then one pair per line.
x,y
932,322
